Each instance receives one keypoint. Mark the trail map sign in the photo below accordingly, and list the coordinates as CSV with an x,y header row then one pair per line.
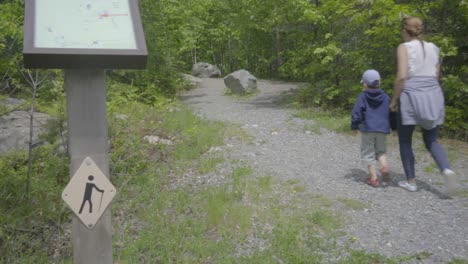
x,y
88,193
83,34
85,37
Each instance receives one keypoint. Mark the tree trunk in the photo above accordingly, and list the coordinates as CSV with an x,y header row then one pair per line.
x,y
31,134
277,47
230,54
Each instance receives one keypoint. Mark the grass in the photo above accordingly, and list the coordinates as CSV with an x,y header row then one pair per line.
x,y
353,204
222,224
313,128
235,132
264,183
214,223
461,193
458,261
159,216
321,200
208,163
29,220
242,96
432,168
334,121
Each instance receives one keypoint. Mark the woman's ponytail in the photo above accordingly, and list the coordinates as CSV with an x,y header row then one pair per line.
x,y
415,28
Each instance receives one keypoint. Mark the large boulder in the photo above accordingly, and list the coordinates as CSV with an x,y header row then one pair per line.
x,y
14,129
12,103
205,70
241,82
192,81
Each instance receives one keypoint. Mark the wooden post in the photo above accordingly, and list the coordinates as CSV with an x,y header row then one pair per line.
x,y
87,136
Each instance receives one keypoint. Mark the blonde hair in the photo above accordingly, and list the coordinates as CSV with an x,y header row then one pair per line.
x,y
414,26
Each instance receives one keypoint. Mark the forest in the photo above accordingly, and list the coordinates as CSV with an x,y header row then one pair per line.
x,y
327,43
324,43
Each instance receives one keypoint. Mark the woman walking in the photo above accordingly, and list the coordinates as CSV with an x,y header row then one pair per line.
x,y
421,101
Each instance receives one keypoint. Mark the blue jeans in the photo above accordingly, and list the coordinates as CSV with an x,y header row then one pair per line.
x,y
405,138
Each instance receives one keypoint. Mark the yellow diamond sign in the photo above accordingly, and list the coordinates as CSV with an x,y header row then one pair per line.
x,y
88,193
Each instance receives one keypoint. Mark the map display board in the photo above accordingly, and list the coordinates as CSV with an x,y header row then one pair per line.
x,y
83,34
85,24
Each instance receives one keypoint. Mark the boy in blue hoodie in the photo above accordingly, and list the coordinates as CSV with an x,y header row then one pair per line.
x,y
371,115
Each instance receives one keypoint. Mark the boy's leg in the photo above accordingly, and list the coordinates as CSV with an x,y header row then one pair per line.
x,y
372,180
384,167
380,150
368,156
372,172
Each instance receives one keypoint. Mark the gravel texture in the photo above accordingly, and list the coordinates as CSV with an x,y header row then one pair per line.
x,y
396,221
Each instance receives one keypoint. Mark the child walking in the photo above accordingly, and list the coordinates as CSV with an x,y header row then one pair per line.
x,y
371,115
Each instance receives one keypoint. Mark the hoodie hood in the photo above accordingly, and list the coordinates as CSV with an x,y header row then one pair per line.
x,y
374,97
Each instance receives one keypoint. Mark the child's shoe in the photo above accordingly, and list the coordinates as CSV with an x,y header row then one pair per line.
x,y
408,186
373,183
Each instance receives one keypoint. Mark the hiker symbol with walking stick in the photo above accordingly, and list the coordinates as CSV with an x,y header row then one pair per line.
x,y
88,194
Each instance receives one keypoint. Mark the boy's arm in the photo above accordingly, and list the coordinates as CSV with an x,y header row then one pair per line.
x,y
356,114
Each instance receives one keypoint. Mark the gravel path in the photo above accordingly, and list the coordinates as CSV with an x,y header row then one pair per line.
x,y
396,222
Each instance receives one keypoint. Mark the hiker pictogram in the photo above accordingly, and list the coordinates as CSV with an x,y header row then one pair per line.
x,y
88,194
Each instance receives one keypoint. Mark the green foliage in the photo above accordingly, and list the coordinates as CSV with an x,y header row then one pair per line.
x,y
52,88
28,221
338,121
11,35
326,43
11,39
456,92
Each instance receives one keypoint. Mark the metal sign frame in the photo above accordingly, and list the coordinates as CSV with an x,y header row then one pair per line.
x,y
77,58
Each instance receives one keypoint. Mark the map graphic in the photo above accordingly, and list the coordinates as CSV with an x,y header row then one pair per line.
x,y
84,24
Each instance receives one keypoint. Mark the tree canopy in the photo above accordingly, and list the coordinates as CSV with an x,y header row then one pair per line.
x,y
327,43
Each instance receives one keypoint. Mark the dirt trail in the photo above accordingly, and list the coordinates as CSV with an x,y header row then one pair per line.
x,y
396,222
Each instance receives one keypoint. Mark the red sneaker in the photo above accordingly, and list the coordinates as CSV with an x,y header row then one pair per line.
x,y
373,183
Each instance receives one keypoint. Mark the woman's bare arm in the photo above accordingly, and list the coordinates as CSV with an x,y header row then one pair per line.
x,y
402,74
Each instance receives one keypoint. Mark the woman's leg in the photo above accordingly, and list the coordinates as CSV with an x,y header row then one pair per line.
x,y
430,138
405,139
438,153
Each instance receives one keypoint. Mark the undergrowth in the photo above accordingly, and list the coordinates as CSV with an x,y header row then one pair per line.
x,y
159,214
